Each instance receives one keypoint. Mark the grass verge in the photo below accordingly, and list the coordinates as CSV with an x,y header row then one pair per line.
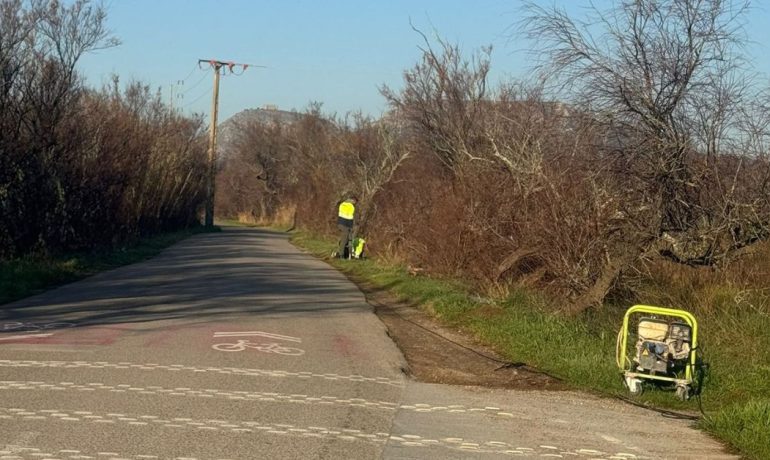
x,y
26,276
581,350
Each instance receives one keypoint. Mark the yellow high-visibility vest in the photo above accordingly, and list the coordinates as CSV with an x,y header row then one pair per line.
x,y
347,210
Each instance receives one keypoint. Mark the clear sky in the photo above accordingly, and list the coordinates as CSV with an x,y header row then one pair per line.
x,y
337,52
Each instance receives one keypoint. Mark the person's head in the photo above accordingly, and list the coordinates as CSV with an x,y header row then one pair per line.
x,y
353,199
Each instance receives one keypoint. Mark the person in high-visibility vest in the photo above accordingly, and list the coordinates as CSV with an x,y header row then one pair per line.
x,y
345,218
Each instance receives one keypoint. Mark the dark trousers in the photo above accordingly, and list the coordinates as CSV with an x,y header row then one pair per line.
x,y
346,234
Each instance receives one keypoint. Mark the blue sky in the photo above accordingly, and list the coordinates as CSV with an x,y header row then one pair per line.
x,y
337,52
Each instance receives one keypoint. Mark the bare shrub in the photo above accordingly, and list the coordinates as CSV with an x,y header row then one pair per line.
x,y
639,145
443,97
251,178
78,167
662,64
307,166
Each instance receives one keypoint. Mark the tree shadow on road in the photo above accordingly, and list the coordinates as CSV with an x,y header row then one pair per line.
x,y
208,276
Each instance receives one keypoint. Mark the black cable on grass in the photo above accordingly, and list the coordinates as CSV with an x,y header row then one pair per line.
x,y
503,363
664,412
518,365
701,375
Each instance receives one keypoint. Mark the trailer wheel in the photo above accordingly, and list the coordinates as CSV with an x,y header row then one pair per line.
x,y
634,386
683,392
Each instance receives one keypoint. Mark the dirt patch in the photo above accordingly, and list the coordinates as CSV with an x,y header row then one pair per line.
x,y
437,354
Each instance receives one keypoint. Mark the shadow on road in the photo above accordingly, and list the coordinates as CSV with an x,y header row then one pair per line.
x,y
213,275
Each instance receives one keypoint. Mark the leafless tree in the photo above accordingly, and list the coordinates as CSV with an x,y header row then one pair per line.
x,y
664,77
372,152
444,96
81,167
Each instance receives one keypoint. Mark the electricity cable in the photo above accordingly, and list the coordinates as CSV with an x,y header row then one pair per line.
x,y
194,85
700,372
208,91
503,363
196,67
517,365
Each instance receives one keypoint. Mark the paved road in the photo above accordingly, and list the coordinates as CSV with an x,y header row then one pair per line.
x,y
236,345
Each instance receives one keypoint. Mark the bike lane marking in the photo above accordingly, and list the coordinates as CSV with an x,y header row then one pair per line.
x,y
26,336
19,326
255,397
264,347
26,331
258,334
58,333
217,370
344,434
20,452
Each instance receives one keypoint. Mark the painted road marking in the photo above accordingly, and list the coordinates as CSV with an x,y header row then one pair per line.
x,y
267,335
246,427
20,453
216,370
269,347
33,327
246,395
65,334
276,348
25,336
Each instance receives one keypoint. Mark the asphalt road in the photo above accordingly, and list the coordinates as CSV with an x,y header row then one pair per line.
x,y
236,345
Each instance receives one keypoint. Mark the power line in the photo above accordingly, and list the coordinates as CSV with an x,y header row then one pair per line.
x,y
179,94
191,72
194,85
198,98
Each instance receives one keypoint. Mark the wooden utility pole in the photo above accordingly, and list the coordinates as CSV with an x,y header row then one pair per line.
x,y
218,67
212,166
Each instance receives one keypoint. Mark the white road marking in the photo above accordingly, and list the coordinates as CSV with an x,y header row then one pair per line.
x,y
350,435
25,336
240,395
21,326
258,334
217,370
609,438
267,347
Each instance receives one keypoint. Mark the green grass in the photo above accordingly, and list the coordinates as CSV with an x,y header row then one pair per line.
x,y
581,350
744,426
30,275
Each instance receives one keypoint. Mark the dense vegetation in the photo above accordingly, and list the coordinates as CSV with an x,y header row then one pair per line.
x,y
633,169
653,150
81,167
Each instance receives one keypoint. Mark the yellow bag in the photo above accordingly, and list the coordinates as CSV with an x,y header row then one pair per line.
x,y
358,247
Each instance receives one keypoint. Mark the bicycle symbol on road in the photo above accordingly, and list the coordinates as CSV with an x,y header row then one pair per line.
x,y
264,347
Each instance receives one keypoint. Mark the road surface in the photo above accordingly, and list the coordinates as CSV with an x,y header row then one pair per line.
x,y
236,345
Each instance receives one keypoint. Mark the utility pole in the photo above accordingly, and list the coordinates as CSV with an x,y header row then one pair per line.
x,y
218,67
212,166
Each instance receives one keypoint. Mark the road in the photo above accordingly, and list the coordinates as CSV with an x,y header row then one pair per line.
x,y
236,345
